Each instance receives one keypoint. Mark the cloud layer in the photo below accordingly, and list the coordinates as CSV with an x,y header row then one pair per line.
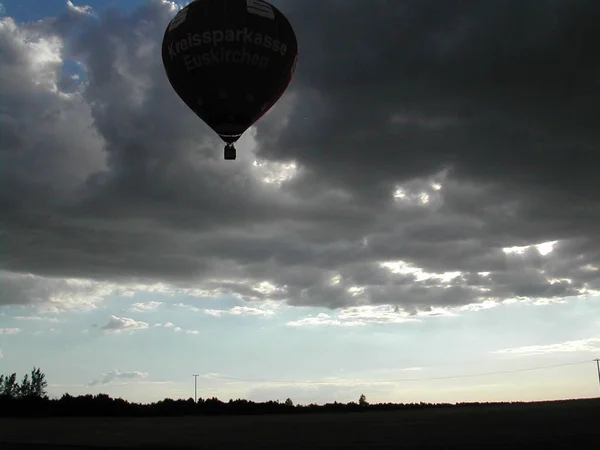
x,y
419,156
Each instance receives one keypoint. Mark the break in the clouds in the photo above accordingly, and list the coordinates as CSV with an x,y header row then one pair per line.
x,y
115,375
423,158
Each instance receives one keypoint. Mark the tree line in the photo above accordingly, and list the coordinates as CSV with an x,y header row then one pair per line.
x,y
33,386
29,399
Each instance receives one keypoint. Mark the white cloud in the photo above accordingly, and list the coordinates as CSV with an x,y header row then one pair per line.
x,y
488,304
189,307
115,375
323,320
176,329
582,345
84,10
9,330
51,330
37,319
240,311
144,307
117,324
249,311
211,375
166,325
360,315
375,314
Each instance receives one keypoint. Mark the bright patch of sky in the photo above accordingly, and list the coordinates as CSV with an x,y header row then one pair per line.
x,y
147,345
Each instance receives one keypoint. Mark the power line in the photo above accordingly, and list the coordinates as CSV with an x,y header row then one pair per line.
x,y
598,367
399,380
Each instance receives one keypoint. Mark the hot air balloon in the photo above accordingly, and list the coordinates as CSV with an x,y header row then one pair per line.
x,y
229,61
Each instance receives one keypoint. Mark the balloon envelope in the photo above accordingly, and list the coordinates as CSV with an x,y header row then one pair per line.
x,y
229,61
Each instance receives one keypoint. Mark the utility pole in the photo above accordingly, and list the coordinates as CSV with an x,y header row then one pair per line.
x,y
195,388
598,367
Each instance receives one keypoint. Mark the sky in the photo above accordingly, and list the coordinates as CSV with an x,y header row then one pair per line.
x,y
416,219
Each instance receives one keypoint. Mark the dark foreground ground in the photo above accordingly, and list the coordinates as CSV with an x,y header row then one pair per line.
x,y
568,426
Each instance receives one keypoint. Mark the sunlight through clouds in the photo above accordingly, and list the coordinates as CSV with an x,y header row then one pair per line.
x,y
275,173
544,248
42,54
404,268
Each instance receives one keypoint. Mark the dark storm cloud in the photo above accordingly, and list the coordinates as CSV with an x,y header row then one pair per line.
x,y
500,92
480,117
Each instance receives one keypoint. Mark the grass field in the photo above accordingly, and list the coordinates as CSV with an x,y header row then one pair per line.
x,y
568,426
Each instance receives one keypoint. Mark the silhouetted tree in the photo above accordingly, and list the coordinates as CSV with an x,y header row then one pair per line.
x,y
25,388
362,401
33,386
10,387
30,399
38,383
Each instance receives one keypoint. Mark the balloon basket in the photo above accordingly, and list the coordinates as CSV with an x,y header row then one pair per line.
x,y
230,152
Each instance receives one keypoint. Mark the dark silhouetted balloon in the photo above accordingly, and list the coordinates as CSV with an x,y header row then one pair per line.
x,y
229,61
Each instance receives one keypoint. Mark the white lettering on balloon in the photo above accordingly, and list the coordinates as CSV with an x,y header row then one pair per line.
x,y
216,37
260,8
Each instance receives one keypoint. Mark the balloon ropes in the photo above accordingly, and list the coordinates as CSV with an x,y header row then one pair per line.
x,y
229,61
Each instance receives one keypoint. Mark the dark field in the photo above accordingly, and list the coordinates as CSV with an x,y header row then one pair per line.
x,y
564,425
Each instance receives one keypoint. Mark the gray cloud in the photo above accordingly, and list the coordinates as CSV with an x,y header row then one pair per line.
x,y
416,132
115,375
